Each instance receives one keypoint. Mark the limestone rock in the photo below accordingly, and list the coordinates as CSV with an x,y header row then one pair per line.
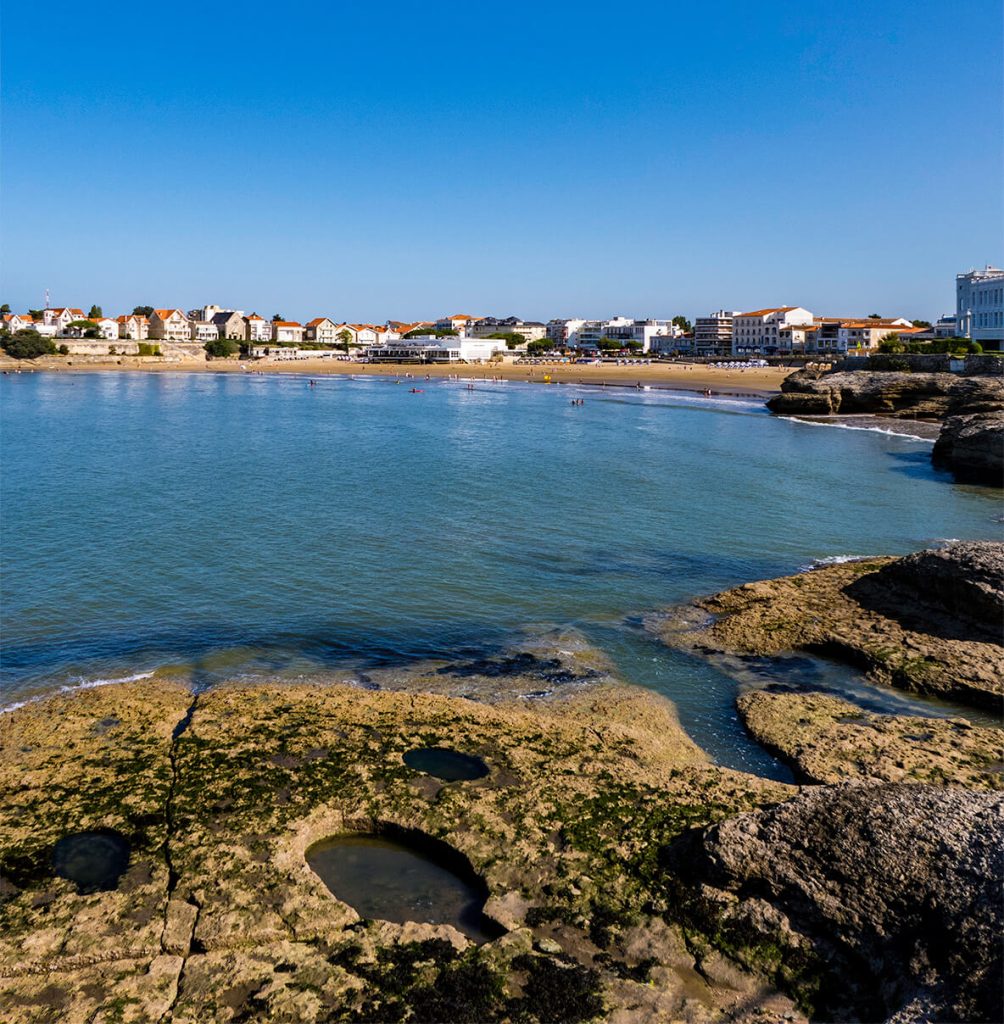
x,y
895,886
829,740
925,623
923,395
971,445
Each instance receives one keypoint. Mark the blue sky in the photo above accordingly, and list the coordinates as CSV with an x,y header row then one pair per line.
x,y
406,160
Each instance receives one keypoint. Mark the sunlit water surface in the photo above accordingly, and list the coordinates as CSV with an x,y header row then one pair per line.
x,y
244,526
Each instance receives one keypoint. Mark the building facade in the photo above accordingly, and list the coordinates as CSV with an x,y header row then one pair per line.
x,y
287,332
257,330
133,327
531,330
713,334
203,331
322,331
229,323
756,333
169,325
979,306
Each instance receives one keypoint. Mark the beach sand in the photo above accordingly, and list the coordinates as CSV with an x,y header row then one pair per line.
x,y
754,382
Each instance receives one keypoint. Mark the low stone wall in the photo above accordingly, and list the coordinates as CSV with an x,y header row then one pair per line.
x,y
89,347
967,366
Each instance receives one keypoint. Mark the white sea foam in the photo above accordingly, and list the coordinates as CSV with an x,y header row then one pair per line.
x,y
820,563
851,426
86,684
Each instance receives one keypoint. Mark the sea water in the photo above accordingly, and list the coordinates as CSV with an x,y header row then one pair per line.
x,y
240,526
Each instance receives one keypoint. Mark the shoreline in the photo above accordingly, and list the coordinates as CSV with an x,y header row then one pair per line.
x,y
756,382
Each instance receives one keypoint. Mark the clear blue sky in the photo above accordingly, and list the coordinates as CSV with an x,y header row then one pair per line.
x,y
408,159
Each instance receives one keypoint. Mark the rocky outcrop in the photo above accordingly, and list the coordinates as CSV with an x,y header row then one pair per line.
x,y
971,446
957,590
921,395
894,889
925,623
219,917
829,740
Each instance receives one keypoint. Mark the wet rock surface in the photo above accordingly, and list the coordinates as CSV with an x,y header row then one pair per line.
x,y
924,623
219,917
894,887
829,740
971,445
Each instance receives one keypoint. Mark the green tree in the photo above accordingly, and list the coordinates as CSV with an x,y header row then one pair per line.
x,y
419,331
538,347
28,344
683,323
221,348
634,346
5,308
277,317
142,311
891,343
35,314
95,312
609,345
511,338
921,323
344,338
874,316
87,328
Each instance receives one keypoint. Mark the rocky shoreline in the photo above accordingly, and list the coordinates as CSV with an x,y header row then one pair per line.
x,y
971,410
628,877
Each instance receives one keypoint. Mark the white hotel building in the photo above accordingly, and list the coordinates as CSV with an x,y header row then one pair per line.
x,y
979,306
757,333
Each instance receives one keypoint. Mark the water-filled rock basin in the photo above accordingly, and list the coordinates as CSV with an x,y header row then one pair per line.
x,y
95,861
446,764
386,880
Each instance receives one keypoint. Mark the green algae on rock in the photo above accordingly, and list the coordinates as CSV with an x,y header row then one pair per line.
x,y
882,614
219,917
829,740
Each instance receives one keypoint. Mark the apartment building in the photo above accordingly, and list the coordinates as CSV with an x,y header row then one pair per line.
x,y
757,332
459,322
713,334
624,330
979,306
564,333
532,330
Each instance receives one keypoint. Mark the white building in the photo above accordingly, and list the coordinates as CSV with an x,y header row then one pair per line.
x,y
713,334
134,327
979,306
459,322
15,322
428,348
287,332
257,329
757,332
204,330
107,327
61,316
565,333
624,330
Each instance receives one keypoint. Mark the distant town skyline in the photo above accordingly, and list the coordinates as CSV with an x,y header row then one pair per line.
x,y
538,160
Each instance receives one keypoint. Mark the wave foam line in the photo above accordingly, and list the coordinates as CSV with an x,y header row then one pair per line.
x,y
87,684
848,426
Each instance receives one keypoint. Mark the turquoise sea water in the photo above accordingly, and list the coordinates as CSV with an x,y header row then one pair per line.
x,y
253,526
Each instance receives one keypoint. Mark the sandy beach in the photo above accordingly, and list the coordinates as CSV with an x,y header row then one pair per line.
x,y
755,381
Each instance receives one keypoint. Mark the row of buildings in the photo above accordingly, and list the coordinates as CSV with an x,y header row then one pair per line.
x,y
772,331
